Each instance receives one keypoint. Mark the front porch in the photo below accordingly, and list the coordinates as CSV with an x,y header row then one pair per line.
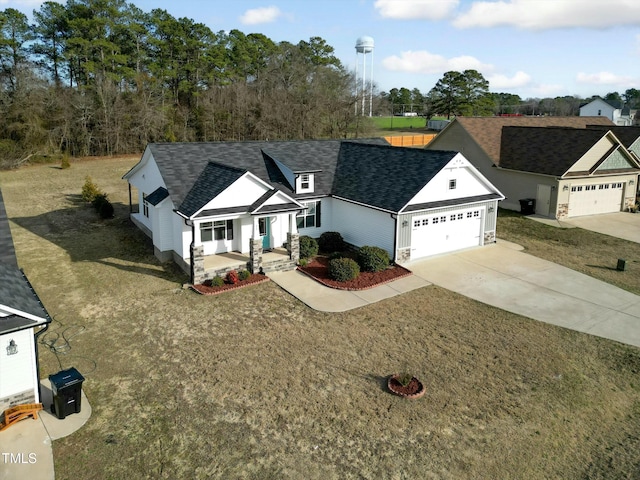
x,y
222,263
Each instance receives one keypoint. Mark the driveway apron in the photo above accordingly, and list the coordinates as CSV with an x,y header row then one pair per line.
x,y
503,276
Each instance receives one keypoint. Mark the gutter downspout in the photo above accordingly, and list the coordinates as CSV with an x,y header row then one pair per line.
x,y
193,241
35,339
394,216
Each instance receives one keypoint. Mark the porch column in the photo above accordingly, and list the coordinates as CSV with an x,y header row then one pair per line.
x,y
293,239
255,248
197,264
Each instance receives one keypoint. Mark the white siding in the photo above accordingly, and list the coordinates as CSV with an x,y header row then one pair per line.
x,y
163,226
326,218
18,372
598,107
243,191
467,179
181,237
593,155
147,179
361,225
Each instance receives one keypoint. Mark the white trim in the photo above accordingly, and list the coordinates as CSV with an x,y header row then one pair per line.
x,y
13,311
363,204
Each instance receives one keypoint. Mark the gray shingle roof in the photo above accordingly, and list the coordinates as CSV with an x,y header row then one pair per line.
x,y
157,196
15,290
627,135
383,176
181,164
546,150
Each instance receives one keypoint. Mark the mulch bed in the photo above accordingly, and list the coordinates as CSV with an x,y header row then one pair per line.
x,y
254,279
318,270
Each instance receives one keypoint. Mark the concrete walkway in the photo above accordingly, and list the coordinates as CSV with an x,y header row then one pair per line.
x,y
25,448
503,276
327,299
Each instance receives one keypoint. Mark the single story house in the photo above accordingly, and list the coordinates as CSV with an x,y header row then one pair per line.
x,y
615,111
22,319
202,201
568,169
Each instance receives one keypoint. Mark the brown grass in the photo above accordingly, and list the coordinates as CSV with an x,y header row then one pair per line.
x,y
253,384
585,251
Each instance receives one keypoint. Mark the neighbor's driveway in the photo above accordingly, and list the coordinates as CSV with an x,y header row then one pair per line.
x,y
622,225
503,276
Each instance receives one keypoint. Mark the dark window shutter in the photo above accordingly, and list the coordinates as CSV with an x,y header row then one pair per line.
x,y
318,213
229,229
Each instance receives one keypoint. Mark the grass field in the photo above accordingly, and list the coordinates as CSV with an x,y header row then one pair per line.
x,y
399,123
253,384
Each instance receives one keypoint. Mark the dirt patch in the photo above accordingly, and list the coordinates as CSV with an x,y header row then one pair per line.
x,y
318,270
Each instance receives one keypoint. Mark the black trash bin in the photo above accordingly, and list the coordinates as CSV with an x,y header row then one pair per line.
x,y
528,206
66,387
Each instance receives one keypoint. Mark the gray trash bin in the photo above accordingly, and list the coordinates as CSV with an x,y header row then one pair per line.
x,y
66,387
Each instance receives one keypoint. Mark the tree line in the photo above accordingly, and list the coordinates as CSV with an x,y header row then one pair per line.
x,y
467,93
103,77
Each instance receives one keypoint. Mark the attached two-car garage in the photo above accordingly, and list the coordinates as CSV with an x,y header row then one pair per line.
x,y
442,232
595,199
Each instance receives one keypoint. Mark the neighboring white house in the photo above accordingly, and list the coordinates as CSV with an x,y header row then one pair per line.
x,y
614,111
568,169
22,319
199,200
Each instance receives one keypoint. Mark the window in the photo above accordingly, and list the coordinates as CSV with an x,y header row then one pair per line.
x,y
218,230
310,217
452,184
304,181
599,112
435,219
476,213
453,217
425,221
416,223
145,205
460,215
469,214
443,219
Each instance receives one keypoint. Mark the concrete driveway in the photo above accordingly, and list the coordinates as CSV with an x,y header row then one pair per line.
x,y
622,225
503,276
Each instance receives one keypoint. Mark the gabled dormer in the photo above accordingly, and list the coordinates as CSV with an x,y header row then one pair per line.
x,y
305,182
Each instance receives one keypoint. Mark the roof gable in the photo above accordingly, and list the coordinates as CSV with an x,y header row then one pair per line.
x,y
617,160
486,132
213,180
385,177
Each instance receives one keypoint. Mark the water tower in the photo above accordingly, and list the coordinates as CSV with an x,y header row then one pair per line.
x,y
364,47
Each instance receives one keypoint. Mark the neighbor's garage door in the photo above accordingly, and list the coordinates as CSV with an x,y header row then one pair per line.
x,y
594,199
446,232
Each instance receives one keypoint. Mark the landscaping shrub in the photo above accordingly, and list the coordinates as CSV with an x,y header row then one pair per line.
x,y
335,255
106,209
331,242
98,200
244,274
308,247
64,163
90,190
343,269
232,277
373,259
217,281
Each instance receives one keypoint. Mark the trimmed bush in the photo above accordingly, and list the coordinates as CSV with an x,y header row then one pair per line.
x,y
106,209
343,269
335,255
373,259
232,277
244,274
64,163
308,247
90,190
98,200
331,242
217,281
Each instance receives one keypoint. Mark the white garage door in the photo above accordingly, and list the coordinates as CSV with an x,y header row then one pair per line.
x,y
446,232
594,199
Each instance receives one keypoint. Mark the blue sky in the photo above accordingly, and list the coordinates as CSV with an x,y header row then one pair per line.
x,y
533,48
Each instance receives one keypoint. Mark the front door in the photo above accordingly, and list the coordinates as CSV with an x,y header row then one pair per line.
x,y
264,225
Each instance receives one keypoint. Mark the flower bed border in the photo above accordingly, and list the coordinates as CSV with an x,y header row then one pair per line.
x,y
354,289
254,279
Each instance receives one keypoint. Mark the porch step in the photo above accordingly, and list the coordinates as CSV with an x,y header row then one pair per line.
x,y
283,265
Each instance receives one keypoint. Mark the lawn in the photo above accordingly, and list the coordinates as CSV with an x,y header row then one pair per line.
x,y
253,384
399,123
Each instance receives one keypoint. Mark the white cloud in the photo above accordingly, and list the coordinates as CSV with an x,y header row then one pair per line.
x,y
256,16
17,4
416,9
604,78
422,61
502,82
549,14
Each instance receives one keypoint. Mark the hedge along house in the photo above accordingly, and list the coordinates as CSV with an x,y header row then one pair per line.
x,y
22,319
569,171
202,202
